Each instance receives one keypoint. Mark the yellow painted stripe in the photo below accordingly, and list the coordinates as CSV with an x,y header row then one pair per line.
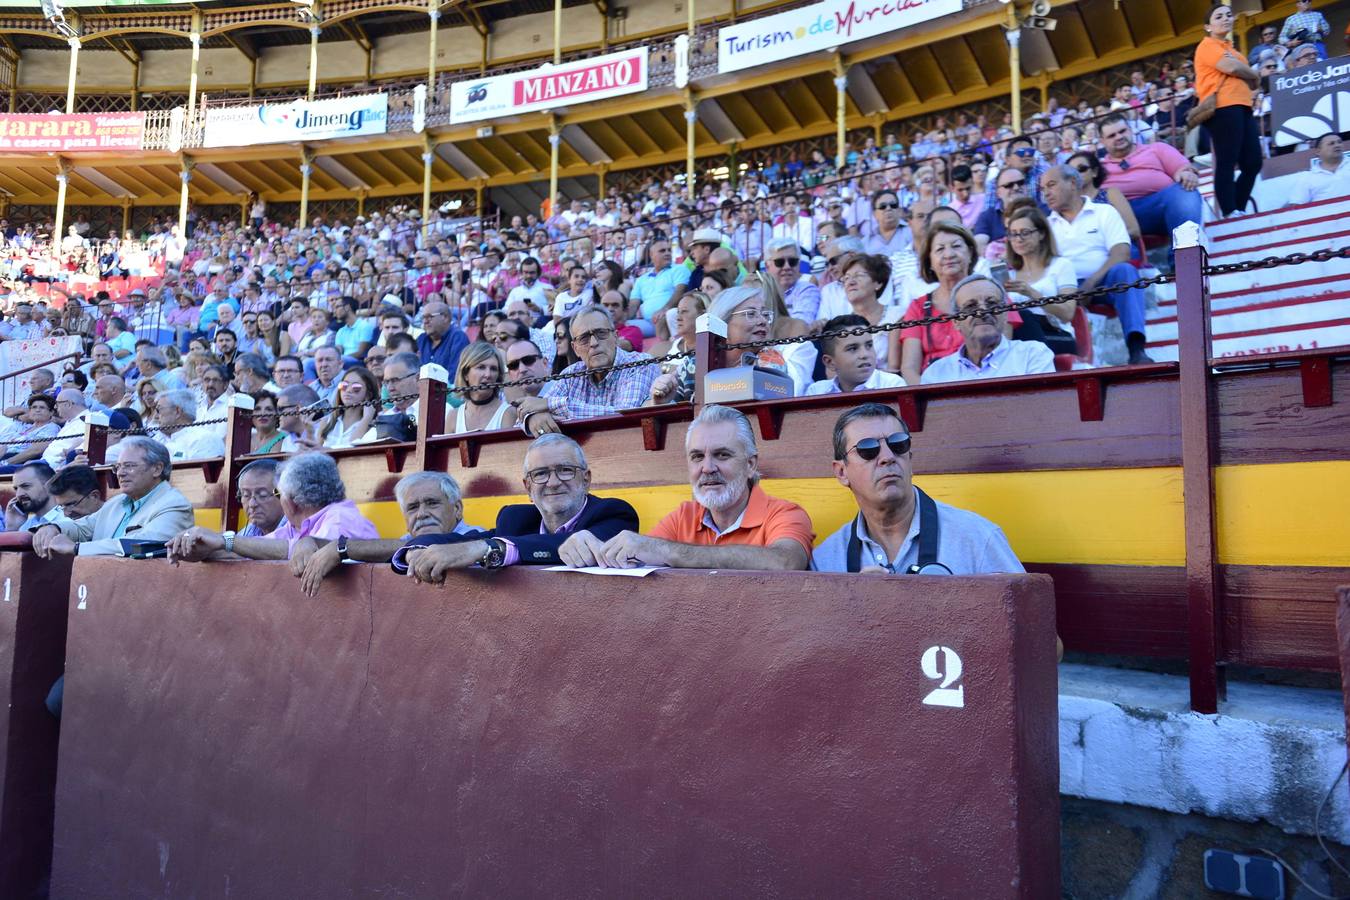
x,y
1285,514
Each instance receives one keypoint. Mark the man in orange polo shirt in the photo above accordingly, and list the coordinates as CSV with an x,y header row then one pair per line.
x,y
730,524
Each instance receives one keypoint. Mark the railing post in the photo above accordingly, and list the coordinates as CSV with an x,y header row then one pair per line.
x,y
238,443
1203,597
96,437
709,338
432,384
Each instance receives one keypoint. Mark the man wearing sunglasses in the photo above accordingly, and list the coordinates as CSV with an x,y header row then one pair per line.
x,y
899,530
558,480
1159,182
891,235
784,263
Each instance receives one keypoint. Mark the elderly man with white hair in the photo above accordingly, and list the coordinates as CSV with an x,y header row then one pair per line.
x,y
431,504
730,524
73,410
176,415
148,509
784,264
314,504
986,353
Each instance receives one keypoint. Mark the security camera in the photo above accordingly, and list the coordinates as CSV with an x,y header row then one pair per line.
x,y
1040,8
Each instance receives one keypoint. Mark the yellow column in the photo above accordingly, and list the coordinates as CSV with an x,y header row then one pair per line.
x,y
306,167
70,79
434,13
62,176
428,157
1014,34
478,198
313,52
557,31
361,202
840,111
691,24
690,117
136,84
554,139
189,127
184,176
603,173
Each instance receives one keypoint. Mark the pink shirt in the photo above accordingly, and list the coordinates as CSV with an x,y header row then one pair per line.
x,y
1149,169
330,523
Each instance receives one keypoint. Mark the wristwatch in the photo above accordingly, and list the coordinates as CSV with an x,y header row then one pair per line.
x,y
495,554
342,549
229,541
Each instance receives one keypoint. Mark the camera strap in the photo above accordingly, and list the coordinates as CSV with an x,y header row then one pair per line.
x,y
928,537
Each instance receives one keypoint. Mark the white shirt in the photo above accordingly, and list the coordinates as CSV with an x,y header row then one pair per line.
x,y
533,295
1059,278
1007,359
803,231
192,443
70,437
564,304
1088,239
1320,184
878,380
219,409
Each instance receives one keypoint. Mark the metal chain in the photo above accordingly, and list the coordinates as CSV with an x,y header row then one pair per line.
x,y
1273,262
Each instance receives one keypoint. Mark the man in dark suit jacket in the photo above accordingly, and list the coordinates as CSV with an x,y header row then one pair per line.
x,y
558,481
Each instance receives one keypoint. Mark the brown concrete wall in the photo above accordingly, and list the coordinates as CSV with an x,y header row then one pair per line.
x,y
33,597
527,733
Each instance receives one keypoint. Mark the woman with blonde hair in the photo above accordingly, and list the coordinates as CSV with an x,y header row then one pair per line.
x,y
354,412
679,386
484,409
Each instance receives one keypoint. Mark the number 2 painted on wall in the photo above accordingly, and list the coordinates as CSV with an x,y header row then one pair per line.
x,y
7,599
943,665
82,593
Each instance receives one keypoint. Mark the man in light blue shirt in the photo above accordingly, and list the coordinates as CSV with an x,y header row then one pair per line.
x,y
900,530
355,335
986,353
654,289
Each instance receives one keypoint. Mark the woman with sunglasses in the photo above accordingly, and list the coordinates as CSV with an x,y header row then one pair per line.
x,y
1223,73
486,408
354,413
1090,167
267,433
564,355
1035,271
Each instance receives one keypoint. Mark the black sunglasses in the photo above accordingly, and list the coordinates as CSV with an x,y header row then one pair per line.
x,y
887,206
522,361
869,449
789,263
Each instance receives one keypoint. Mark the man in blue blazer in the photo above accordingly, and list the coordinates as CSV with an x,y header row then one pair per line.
x,y
558,481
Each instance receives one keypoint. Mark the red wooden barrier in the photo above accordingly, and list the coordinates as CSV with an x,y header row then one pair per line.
x,y
530,733
32,652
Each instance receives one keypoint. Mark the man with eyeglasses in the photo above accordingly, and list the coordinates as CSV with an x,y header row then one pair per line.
x,y
76,490
259,497
72,409
1010,184
558,480
148,509
899,530
1159,182
593,389
730,523
784,264
986,353
891,235
288,371
1269,42
519,310
440,342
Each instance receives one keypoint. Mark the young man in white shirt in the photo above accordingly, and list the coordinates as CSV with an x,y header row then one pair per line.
x,y
854,360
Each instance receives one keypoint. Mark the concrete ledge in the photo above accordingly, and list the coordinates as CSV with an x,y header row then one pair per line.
x,y
1270,754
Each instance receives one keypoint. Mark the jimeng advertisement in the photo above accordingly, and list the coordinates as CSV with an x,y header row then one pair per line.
x,y
1307,103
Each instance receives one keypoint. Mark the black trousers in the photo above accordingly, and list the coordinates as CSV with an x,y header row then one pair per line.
x,y
1034,328
1236,141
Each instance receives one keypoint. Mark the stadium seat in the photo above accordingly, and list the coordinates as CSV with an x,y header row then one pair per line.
x,y
1082,333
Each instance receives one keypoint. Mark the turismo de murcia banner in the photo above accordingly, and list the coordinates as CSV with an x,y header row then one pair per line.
x,y
549,86
821,26
299,120
1308,102
62,133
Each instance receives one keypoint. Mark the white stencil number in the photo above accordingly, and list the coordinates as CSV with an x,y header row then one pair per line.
x,y
7,600
83,593
941,664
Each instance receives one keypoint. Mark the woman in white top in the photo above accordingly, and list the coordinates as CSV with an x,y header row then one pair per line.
x,y
1036,271
485,409
317,335
354,413
865,276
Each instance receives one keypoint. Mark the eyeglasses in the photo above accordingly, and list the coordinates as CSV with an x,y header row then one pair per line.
x,y
1013,185
260,494
595,335
1024,152
869,449
525,361
127,466
790,262
564,473
375,358
887,206
1084,168
1022,233
753,315
395,379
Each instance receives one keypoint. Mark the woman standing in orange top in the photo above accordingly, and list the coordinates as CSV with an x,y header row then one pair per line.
x,y
1221,70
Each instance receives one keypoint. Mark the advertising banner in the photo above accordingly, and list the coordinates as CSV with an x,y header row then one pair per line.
x,y
549,86
63,133
1306,103
299,120
821,26
16,355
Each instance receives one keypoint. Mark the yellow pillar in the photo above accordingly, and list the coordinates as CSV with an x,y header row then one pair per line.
x,y
1045,92
313,53
1013,32
306,167
690,118
184,176
361,203
434,13
557,32
428,157
840,110
62,176
554,139
603,173
478,198
189,127
126,215
691,24
243,211
136,84
70,80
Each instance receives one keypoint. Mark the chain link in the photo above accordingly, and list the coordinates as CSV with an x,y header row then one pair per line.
x,y
1274,262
